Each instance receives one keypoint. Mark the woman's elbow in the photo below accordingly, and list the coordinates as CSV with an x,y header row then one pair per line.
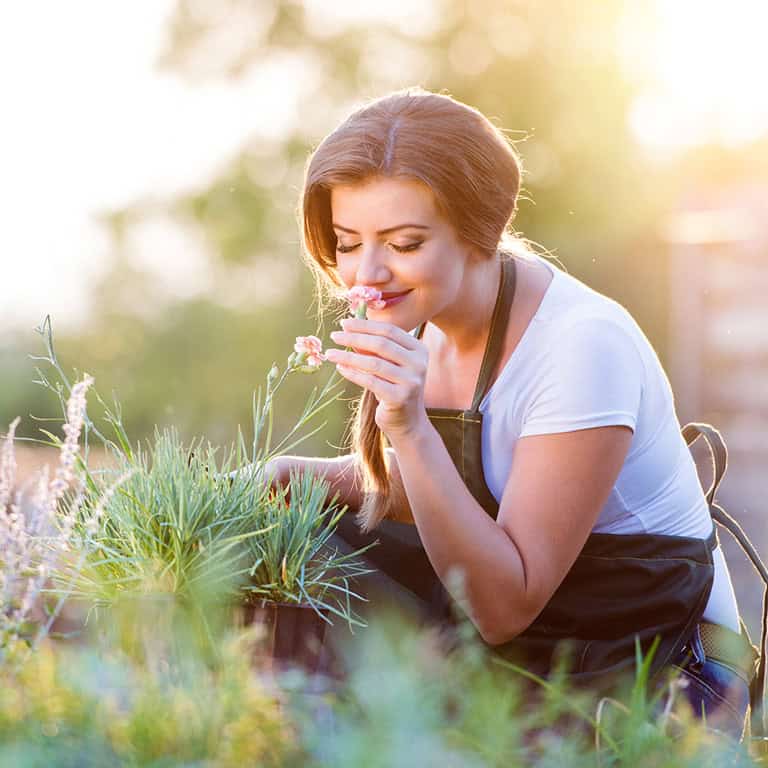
x,y
497,632
500,620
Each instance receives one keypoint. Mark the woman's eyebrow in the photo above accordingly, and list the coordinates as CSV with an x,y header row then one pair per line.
x,y
382,231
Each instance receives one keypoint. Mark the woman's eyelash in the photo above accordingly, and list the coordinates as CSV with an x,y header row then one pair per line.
x,y
401,248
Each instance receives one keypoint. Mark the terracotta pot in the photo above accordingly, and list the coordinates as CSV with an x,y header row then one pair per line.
x,y
294,635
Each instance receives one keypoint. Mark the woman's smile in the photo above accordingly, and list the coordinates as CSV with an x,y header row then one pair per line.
x,y
393,298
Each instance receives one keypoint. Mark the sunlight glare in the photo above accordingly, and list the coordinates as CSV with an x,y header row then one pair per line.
x,y
708,65
91,125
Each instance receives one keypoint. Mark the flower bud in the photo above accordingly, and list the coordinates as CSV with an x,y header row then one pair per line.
x,y
308,354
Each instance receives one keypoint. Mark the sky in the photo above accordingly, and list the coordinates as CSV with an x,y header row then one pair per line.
x,y
90,125
708,64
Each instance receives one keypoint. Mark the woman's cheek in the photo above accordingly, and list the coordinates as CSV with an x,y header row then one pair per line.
x,y
346,269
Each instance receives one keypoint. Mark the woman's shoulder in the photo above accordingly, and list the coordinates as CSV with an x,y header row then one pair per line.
x,y
570,299
577,339
572,310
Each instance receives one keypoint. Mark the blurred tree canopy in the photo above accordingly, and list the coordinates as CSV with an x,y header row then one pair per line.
x,y
548,73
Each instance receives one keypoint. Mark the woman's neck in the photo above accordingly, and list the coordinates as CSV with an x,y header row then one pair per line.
x,y
464,326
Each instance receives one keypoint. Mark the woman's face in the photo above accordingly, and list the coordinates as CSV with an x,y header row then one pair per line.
x,y
391,236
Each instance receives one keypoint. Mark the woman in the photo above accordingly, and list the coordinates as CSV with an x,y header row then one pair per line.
x,y
533,446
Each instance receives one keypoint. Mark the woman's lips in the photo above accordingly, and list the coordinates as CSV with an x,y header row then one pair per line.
x,y
393,298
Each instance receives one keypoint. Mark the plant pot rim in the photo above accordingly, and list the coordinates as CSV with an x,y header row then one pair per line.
x,y
263,601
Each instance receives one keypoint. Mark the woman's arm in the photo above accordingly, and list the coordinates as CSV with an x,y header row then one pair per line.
x,y
561,475
511,565
405,514
339,472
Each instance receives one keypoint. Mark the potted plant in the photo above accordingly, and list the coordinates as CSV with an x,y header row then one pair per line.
x,y
181,524
299,581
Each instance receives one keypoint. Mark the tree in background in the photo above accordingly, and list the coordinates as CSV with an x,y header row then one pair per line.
x,y
550,74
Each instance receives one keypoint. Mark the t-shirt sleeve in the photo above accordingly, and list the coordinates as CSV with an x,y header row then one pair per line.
x,y
593,377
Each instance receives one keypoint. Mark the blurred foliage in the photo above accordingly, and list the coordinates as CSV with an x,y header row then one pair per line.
x,y
197,366
549,74
145,698
422,704
82,707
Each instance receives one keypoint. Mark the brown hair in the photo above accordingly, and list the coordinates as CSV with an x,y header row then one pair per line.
x,y
474,174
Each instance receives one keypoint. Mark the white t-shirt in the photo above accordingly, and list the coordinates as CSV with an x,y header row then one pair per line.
x,y
583,362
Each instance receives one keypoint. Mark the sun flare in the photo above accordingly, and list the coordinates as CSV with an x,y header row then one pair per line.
x,y
707,65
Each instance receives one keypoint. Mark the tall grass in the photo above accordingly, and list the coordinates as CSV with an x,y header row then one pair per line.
x,y
37,534
410,701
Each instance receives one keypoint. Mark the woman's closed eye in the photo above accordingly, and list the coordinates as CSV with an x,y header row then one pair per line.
x,y
400,248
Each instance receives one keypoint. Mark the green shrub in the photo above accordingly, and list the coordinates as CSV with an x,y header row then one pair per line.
x,y
69,707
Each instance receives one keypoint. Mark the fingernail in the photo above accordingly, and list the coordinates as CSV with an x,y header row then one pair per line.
x,y
335,335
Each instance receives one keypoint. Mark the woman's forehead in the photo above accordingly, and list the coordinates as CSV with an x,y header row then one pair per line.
x,y
382,203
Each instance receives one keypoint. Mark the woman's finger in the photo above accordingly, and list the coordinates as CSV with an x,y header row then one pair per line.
x,y
375,345
383,390
369,364
386,330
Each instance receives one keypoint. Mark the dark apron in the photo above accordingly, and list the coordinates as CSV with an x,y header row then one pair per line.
x,y
621,587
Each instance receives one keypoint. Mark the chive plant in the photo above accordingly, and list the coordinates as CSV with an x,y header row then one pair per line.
x,y
182,523
296,561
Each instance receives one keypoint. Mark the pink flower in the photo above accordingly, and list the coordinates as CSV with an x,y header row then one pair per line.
x,y
68,452
308,352
360,297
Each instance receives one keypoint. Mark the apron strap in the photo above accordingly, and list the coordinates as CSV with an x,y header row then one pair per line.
x,y
498,330
717,449
720,463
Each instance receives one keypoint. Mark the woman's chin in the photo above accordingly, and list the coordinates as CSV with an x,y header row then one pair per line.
x,y
401,320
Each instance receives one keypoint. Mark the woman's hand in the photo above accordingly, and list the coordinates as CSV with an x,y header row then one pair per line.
x,y
392,364
277,471
274,469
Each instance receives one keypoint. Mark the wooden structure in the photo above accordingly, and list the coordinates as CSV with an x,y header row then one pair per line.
x,y
718,260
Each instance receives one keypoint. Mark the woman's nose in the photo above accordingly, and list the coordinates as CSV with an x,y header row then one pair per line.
x,y
372,267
